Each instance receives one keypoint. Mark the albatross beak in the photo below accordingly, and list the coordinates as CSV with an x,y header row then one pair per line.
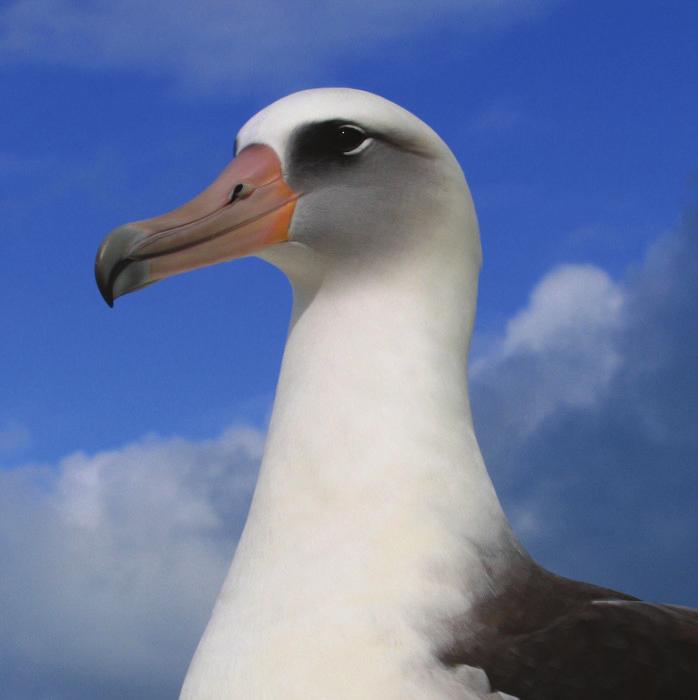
x,y
247,208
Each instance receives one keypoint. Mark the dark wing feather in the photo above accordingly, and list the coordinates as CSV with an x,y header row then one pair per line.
x,y
603,650
539,636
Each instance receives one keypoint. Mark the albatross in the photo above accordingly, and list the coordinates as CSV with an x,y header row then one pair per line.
x,y
376,562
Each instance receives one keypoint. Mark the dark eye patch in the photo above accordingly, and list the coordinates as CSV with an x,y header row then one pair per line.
x,y
324,143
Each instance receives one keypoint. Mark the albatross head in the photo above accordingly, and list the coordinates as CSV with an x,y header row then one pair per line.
x,y
323,180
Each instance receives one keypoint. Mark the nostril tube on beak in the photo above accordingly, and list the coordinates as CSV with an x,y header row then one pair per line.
x,y
240,191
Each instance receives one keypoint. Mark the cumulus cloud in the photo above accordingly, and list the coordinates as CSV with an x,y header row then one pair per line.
x,y
111,563
213,43
560,351
587,409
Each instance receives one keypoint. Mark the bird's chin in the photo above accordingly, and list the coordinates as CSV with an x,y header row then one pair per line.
x,y
302,264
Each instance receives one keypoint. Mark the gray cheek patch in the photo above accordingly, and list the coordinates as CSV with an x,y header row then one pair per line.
x,y
353,205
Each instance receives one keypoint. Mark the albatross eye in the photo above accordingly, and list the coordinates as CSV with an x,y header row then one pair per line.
x,y
348,139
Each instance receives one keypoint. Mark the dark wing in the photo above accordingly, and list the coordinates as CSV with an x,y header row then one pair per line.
x,y
539,636
603,650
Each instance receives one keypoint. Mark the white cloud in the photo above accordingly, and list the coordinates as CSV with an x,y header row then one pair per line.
x,y
224,42
560,351
568,305
111,561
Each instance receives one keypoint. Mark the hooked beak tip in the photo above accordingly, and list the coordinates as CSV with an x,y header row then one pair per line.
x,y
113,261
105,289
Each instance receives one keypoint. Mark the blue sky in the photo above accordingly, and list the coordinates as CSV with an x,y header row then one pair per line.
x,y
129,438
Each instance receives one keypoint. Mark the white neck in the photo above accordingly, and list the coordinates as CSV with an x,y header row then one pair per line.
x,y
373,511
